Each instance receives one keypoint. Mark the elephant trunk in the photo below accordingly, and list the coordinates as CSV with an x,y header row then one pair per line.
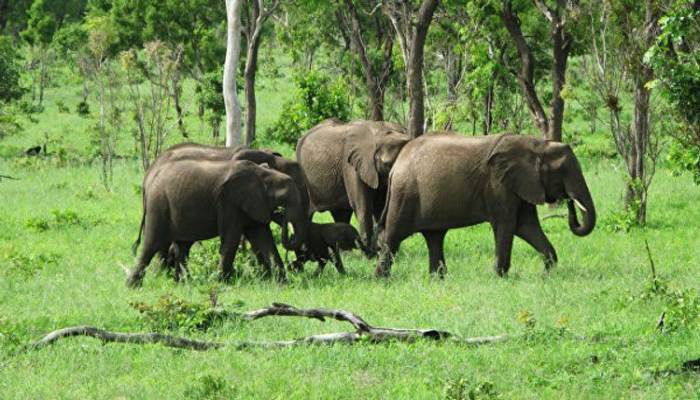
x,y
294,239
585,205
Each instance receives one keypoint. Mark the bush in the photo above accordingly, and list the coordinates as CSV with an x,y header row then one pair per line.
x,y
174,314
83,109
62,107
315,99
27,265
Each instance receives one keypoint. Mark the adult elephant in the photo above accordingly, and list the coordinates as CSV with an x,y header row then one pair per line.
x,y
176,255
444,180
193,200
346,167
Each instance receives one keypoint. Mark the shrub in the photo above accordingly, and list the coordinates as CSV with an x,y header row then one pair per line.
x,y
463,389
27,265
83,109
209,387
172,313
315,99
62,107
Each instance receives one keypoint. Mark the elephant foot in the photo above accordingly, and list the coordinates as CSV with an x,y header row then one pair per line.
x,y
502,272
134,281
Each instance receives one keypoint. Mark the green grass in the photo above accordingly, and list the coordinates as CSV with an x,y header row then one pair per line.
x,y
65,241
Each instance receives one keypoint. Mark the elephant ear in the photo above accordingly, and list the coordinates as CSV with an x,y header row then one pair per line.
x,y
246,189
360,148
517,161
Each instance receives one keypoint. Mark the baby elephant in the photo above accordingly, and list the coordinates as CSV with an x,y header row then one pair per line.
x,y
324,242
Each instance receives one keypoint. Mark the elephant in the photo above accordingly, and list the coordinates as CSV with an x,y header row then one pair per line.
x,y
346,167
177,254
324,242
443,180
192,200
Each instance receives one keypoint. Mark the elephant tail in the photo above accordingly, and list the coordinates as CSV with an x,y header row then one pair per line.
x,y
136,244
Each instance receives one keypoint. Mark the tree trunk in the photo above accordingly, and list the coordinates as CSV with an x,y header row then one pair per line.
x,y
374,80
233,50
177,90
412,36
560,50
527,68
488,110
251,66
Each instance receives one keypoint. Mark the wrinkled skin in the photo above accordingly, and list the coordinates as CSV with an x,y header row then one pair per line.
x,y
177,253
192,200
324,242
443,180
346,167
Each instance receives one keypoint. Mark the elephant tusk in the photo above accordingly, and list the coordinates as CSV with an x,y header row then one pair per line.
x,y
291,227
579,205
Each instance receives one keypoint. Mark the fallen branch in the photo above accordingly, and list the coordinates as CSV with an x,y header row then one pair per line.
x,y
8,177
364,331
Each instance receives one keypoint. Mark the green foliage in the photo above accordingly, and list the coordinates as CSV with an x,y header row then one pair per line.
x,y
62,107
60,219
463,388
676,61
209,387
316,99
83,109
26,264
10,88
171,313
41,25
12,337
682,311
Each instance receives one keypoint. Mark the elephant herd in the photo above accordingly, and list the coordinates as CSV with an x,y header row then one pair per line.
x,y
395,187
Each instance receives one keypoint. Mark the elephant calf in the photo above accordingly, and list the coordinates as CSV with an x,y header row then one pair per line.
x,y
324,242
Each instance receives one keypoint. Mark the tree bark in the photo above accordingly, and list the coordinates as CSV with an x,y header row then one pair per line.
x,y
375,81
412,35
550,127
233,50
362,331
258,16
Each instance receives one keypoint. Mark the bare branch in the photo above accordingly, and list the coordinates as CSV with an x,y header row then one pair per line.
x,y
363,330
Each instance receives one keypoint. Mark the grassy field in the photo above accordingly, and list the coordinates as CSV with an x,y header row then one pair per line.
x,y
584,330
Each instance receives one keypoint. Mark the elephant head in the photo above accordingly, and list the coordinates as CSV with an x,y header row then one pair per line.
x,y
540,171
372,147
268,195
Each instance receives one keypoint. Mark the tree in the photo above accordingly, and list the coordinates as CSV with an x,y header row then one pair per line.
x,y
233,50
558,17
10,88
622,32
372,40
412,26
257,16
676,61
41,27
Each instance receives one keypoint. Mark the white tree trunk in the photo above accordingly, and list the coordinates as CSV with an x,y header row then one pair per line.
x,y
233,51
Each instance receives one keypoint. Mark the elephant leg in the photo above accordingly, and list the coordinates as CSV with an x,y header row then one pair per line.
x,y
230,240
321,266
148,251
365,220
435,241
298,264
342,215
178,254
260,238
335,257
530,230
503,234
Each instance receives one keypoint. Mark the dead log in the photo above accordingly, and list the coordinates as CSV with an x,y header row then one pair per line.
x,y
363,331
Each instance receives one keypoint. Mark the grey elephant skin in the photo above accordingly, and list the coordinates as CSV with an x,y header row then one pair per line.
x,y
443,180
176,255
323,244
347,166
192,200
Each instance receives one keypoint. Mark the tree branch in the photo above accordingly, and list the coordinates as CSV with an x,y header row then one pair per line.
x,y
363,331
